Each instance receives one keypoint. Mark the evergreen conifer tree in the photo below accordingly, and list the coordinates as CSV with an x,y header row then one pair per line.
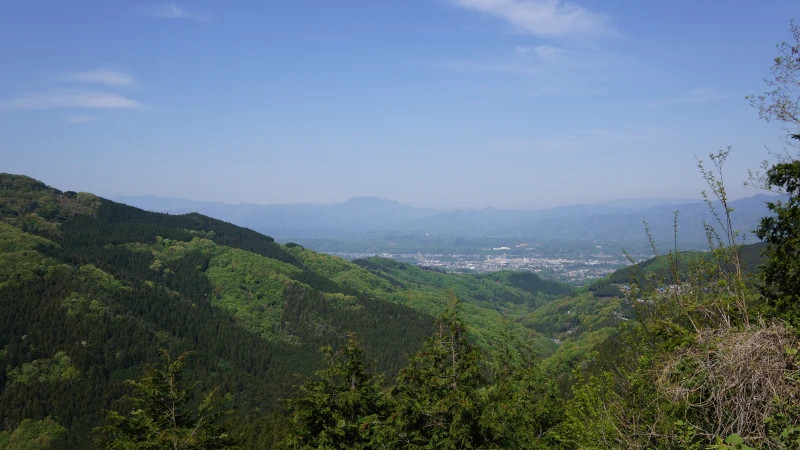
x,y
343,408
438,401
523,405
165,416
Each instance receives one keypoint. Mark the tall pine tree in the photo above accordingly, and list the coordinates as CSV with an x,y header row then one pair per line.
x,y
343,408
438,402
165,415
523,404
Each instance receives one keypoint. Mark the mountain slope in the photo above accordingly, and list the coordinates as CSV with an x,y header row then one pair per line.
x,y
90,290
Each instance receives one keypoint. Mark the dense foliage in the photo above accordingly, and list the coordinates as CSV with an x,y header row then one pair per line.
x,y
442,399
343,408
782,233
90,290
162,414
32,435
87,300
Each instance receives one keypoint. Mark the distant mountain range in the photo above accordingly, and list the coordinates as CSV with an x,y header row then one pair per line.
x,y
619,220
305,220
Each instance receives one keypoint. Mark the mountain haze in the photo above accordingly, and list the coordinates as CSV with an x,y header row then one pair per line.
x,y
611,221
354,215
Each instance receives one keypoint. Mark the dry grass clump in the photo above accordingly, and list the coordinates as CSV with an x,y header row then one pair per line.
x,y
729,380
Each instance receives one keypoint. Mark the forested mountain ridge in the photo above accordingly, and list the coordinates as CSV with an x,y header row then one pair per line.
x,y
91,289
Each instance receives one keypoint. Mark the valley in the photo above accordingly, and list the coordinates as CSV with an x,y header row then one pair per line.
x,y
575,269
573,244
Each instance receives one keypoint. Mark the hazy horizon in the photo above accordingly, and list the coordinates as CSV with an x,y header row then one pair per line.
x,y
434,103
650,200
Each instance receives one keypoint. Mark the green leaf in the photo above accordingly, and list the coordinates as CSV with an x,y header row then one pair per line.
x,y
734,439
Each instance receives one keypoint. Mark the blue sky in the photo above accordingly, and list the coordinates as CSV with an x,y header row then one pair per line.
x,y
446,103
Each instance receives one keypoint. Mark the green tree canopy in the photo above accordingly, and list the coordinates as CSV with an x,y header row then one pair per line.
x,y
438,396
523,403
32,435
165,414
341,409
781,231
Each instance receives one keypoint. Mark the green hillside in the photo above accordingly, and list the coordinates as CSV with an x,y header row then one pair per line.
x,y
660,268
90,290
491,301
579,325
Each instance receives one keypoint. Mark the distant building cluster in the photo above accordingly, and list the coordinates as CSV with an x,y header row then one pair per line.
x,y
573,269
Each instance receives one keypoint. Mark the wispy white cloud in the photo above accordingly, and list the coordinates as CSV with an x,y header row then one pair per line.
x,y
101,76
172,11
78,119
69,98
542,17
701,95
